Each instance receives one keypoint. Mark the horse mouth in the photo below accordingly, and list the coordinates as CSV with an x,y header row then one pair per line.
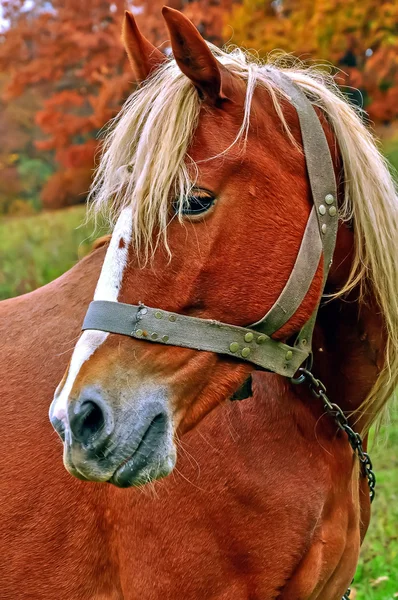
x,y
137,452
154,457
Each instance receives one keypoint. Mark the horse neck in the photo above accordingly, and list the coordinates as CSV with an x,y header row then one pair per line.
x,y
348,346
349,337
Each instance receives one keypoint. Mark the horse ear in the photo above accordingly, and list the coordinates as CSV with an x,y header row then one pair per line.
x,y
194,57
144,57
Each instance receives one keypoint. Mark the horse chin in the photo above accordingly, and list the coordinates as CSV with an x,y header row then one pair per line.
x,y
133,474
153,458
130,466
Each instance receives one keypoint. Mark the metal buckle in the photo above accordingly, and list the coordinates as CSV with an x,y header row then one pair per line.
x,y
306,366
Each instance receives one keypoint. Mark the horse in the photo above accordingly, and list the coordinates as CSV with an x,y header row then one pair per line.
x,y
206,178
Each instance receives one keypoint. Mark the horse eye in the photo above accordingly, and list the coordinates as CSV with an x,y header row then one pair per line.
x,y
198,202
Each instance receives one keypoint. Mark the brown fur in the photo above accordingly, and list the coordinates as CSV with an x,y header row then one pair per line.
x,y
255,480
102,241
266,501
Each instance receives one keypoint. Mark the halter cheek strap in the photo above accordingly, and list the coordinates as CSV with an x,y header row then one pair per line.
x,y
317,240
252,344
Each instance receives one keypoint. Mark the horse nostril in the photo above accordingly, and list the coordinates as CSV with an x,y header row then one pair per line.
x,y
159,422
88,422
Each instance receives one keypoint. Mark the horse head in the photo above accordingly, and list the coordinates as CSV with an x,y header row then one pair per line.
x,y
205,175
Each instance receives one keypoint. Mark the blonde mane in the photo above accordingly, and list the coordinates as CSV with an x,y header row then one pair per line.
x,y
145,164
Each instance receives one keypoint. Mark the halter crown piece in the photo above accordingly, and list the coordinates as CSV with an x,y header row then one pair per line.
x,y
254,343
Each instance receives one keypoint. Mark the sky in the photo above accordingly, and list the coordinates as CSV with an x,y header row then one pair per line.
x,y
3,22
29,3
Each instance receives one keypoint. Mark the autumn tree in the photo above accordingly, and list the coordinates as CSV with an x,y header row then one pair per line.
x,y
72,50
361,38
68,54
24,168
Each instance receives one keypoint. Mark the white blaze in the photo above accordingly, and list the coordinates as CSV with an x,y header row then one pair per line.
x,y
108,288
111,277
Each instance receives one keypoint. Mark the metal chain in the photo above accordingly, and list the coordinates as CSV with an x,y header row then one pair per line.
x,y
334,411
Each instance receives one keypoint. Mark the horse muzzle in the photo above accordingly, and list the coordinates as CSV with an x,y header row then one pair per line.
x,y
125,447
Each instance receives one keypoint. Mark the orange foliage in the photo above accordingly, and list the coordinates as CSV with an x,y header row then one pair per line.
x,y
71,51
10,187
20,208
359,37
66,187
73,48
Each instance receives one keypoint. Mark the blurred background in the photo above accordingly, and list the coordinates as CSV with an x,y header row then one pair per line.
x,y
64,74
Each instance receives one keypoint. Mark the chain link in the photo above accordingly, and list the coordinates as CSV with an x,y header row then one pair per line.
x,y
334,411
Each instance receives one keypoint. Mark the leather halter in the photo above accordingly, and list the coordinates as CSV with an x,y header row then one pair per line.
x,y
253,343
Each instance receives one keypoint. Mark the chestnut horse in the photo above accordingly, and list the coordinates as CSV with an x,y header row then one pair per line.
x,y
205,173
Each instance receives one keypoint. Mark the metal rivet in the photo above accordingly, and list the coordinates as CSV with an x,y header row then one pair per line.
x,y
322,209
324,228
172,318
158,315
165,338
261,339
332,211
154,336
289,355
303,342
234,347
143,311
245,352
249,337
329,198
139,332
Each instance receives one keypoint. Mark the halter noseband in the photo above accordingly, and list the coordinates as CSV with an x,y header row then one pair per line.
x,y
254,343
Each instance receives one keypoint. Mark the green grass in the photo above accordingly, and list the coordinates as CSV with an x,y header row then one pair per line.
x,y
35,250
379,556
390,150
